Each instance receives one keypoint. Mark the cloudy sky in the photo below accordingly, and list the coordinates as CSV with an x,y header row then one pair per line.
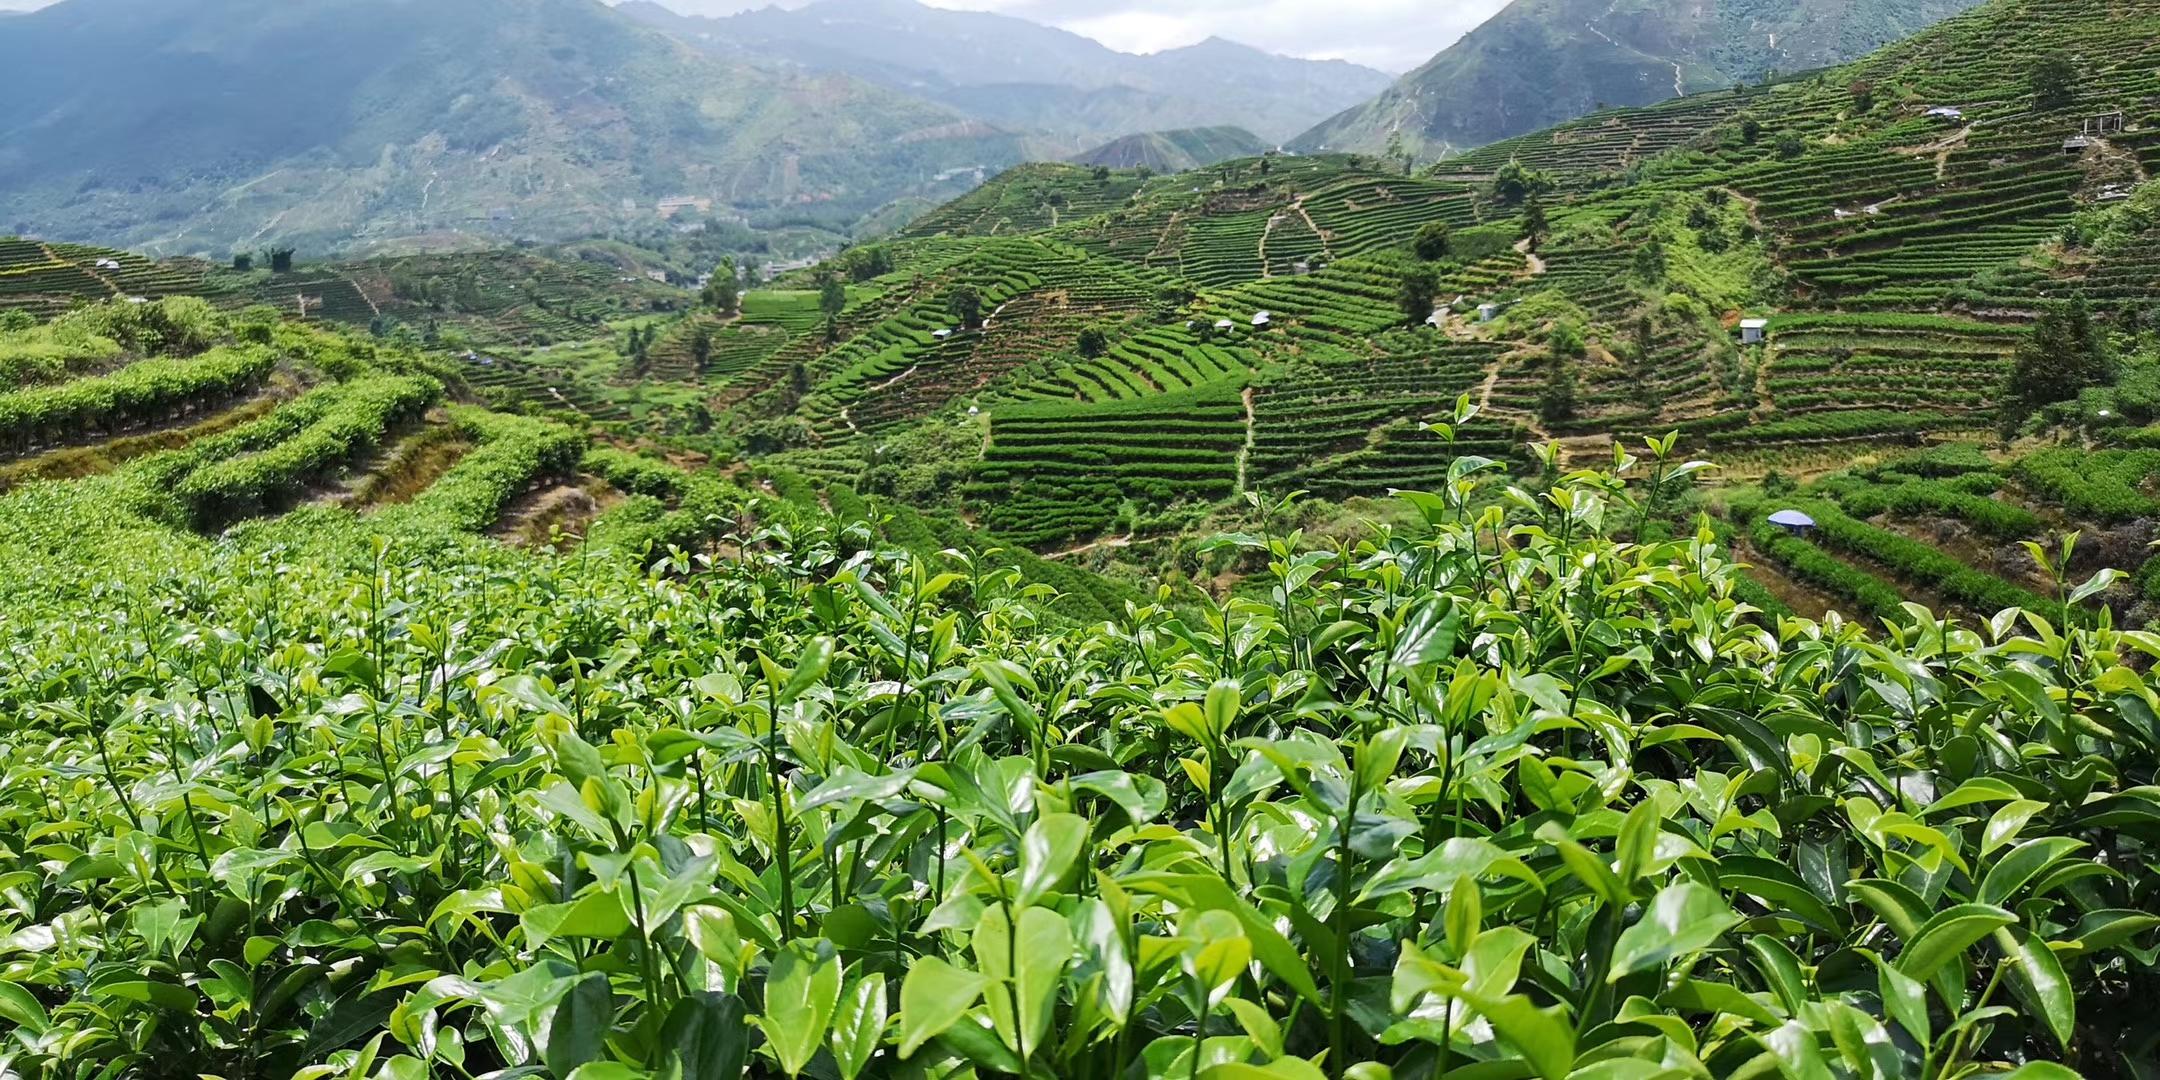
x,y
1394,35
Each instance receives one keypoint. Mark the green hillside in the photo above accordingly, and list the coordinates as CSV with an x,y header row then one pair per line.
x,y
425,121
1541,62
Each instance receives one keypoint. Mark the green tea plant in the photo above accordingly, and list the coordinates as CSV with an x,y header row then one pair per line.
x,y
1504,794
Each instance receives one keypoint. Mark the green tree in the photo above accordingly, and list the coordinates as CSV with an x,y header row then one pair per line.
x,y
1791,144
832,296
701,347
2054,82
1513,182
1419,286
967,306
1534,226
1094,342
723,293
1556,403
1651,263
2062,356
1432,241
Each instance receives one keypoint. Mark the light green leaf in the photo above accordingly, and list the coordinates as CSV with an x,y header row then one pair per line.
x,y
859,1025
1047,851
2039,980
800,995
1683,918
933,997
1947,936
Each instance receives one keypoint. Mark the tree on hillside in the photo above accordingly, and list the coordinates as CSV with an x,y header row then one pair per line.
x,y
2054,81
243,262
967,306
701,347
724,292
1514,182
1863,96
1534,225
1093,342
1651,263
832,296
1556,403
1419,285
1432,241
1791,144
2062,356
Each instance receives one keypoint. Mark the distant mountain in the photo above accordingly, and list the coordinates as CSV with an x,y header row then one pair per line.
x,y
1175,151
1024,75
209,125
1540,62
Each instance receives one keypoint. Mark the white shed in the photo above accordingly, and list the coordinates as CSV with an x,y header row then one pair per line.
x,y
1752,331
1488,312
941,334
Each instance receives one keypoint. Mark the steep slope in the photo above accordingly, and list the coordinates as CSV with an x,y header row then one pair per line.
x,y
1023,75
205,125
1541,62
1175,151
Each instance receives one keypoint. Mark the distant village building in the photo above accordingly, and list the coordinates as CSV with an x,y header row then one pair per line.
x,y
1753,331
2076,145
668,208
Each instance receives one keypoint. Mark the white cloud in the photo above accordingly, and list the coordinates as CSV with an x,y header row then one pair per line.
x,y
1395,35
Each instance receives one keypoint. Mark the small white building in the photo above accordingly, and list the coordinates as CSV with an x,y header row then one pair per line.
x,y
941,334
1487,312
1753,331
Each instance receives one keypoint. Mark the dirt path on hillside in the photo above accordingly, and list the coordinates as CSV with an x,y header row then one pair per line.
x,y
1326,251
1537,262
1106,543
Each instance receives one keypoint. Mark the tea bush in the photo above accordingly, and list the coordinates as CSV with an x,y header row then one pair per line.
x,y
1505,795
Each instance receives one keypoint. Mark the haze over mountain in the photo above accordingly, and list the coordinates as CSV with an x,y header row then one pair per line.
x,y
203,125
1540,62
1026,76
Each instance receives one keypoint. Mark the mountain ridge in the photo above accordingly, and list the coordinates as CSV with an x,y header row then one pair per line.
x,y
349,121
1538,63
1022,74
